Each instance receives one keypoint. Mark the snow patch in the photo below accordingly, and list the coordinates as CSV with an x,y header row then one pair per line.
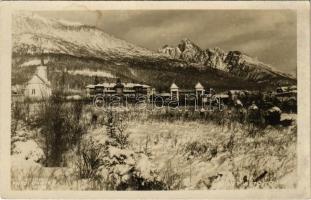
x,y
145,168
27,152
92,73
68,23
31,63
275,109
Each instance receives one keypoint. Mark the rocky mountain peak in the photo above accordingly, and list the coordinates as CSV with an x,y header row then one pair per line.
x,y
188,45
234,62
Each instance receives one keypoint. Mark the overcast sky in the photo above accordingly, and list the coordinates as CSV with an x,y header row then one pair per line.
x,y
269,36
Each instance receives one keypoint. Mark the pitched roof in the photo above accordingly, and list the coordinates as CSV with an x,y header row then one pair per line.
x,y
199,86
36,79
174,86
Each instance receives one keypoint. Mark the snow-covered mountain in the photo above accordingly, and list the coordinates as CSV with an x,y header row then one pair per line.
x,y
233,62
34,33
85,50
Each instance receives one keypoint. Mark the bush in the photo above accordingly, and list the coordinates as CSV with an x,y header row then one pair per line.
x,y
273,116
90,159
127,170
142,176
200,149
116,124
110,164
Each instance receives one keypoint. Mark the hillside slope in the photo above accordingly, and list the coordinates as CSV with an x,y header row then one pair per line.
x,y
33,34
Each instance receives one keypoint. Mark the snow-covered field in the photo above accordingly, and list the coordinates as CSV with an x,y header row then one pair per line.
x,y
274,152
181,155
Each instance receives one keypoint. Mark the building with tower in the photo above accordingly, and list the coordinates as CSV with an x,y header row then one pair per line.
x,y
38,87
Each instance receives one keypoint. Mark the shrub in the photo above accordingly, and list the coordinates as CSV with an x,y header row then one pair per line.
x,y
200,149
127,170
110,164
142,176
90,159
116,124
273,116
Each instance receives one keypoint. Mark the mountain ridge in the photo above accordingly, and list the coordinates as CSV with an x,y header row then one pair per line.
x,y
234,62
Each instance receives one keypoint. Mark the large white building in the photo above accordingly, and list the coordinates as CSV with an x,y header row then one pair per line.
x,y
126,89
38,87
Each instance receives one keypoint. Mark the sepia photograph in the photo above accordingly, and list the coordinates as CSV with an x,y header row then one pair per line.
x,y
154,100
